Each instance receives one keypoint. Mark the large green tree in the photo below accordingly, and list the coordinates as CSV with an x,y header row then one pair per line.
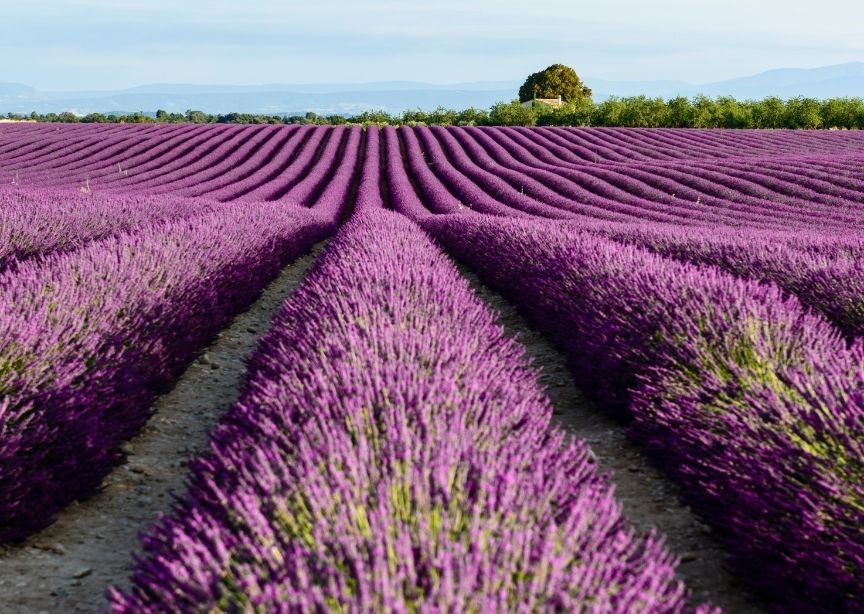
x,y
556,80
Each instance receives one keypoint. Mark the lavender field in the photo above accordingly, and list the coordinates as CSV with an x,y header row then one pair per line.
x,y
392,446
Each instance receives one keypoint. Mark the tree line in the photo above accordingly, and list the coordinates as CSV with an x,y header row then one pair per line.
x,y
633,111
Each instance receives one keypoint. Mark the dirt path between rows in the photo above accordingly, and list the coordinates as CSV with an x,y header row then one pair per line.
x,y
67,567
650,500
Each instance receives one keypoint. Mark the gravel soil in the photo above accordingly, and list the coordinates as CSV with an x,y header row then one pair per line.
x,y
67,567
650,499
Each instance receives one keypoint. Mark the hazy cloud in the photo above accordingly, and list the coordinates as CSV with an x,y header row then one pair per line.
x,y
64,44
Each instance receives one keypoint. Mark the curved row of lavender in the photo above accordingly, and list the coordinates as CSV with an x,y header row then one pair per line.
x,y
36,222
88,337
826,273
764,179
753,405
662,192
222,163
392,451
497,171
587,146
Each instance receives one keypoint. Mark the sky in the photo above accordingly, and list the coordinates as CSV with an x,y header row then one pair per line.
x,y
111,44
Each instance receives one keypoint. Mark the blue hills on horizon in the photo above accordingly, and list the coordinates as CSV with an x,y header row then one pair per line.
x,y
395,96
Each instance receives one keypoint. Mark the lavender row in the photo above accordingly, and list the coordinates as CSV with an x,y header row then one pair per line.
x,y
830,181
331,193
678,178
50,152
445,154
197,162
291,166
435,172
258,160
87,338
579,188
100,158
159,155
131,161
595,191
36,222
401,193
339,151
186,161
260,168
61,138
751,177
641,145
272,163
753,405
370,193
825,273
687,192
392,451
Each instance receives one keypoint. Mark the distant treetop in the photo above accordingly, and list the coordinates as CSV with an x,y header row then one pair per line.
x,y
556,80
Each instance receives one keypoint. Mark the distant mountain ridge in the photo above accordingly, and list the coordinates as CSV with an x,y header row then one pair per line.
x,y
824,82
397,96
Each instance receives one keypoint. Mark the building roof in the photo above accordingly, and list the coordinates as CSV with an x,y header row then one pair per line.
x,y
554,102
